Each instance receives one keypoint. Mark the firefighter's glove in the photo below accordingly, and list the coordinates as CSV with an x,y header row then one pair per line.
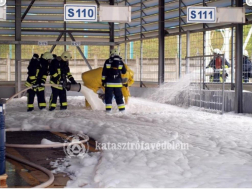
x,y
125,84
73,81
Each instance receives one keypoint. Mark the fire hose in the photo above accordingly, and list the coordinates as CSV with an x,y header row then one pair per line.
x,y
72,87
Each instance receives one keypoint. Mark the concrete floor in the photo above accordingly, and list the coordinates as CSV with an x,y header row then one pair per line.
x,y
21,176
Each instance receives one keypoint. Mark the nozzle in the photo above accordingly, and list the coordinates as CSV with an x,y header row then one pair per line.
x,y
73,87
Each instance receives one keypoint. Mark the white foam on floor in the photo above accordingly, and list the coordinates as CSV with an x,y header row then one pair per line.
x,y
219,153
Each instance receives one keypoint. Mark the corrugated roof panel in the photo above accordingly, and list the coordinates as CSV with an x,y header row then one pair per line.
x,y
51,15
38,10
53,38
41,3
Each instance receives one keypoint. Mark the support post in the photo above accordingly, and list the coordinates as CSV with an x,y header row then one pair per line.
x,y
204,45
179,41
65,34
126,52
17,46
187,51
232,58
141,44
111,28
125,39
80,51
238,67
161,42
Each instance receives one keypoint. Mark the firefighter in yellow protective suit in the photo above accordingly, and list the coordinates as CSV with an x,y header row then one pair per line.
x,y
92,80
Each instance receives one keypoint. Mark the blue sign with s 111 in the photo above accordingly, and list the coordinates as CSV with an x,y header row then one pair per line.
x,y
87,13
201,14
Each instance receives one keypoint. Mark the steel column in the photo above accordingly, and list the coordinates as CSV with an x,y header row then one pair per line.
x,y
187,51
111,28
161,41
125,39
179,40
18,46
232,52
80,51
204,45
232,58
97,2
65,34
238,65
141,44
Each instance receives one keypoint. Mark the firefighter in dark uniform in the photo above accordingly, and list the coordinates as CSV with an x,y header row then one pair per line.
x,y
112,80
216,64
60,72
247,66
44,61
35,79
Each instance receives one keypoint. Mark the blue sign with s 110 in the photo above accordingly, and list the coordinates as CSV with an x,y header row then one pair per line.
x,y
86,13
201,14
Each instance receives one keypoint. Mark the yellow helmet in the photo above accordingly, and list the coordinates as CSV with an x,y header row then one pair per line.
x,y
114,52
66,56
245,53
47,56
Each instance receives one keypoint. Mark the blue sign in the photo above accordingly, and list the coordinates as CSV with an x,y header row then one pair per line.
x,y
201,14
87,13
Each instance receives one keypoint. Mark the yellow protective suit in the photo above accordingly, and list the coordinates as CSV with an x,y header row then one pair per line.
x,y
93,80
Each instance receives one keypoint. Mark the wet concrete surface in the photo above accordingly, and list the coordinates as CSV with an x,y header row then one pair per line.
x,y
24,176
14,179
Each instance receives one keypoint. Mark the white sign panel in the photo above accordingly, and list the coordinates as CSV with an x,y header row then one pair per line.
x,y
231,15
115,14
201,14
76,43
42,43
87,13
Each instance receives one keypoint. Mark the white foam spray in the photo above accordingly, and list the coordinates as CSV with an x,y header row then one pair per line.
x,y
92,98
168,92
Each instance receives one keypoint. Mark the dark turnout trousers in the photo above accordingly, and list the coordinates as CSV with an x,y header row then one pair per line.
x,y
40,92
61,93
117,91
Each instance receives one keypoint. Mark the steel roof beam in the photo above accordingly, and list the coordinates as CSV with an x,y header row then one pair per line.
x,y
58,43
27,10
72,31
58,39
80,51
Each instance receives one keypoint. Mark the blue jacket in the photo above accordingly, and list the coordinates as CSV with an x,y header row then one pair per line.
x,y
112,70
246,64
